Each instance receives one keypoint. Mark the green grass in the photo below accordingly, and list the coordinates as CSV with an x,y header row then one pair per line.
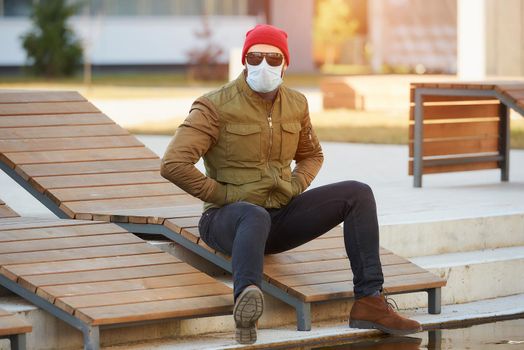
x,y
348,126
144,79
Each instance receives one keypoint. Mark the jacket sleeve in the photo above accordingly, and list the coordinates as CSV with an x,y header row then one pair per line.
x,y
308,157
191,141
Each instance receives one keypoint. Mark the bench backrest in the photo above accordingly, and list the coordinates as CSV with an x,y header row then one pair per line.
x,y
454,127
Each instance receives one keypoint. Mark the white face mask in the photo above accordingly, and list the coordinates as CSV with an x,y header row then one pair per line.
x,y
263,77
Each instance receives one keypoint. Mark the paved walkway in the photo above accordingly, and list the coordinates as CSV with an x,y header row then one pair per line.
x,y
136,112
384,168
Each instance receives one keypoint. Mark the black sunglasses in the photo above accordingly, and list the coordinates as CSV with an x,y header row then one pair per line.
x,y
272,58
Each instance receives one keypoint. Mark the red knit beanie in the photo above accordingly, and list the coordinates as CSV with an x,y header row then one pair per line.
x,y
266,34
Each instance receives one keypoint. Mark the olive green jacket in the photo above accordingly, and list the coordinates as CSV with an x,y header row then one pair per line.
x,y
248,144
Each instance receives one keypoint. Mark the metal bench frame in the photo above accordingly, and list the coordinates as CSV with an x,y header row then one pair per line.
x,y
303,309
504,146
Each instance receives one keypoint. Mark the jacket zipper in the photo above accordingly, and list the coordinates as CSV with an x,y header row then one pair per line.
x,y
270,123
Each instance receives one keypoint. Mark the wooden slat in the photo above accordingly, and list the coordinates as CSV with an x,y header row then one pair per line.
x,y
211,305
40,145
69,304
13,324
90,229
78,168
449,147
42,183
55,279
101,251
34,108
15,222
67,243
337,290
50,293
458,130
54,119
515,95
129,203
471,85
319,266
87,264
342,275
26,223
62,131
152,215
20,158
437,98
455,167
318,244
459,111
178,224
509,86
39,96
305,256
108,192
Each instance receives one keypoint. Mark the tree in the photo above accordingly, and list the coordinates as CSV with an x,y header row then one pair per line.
x,y
333,25
51,46
205,61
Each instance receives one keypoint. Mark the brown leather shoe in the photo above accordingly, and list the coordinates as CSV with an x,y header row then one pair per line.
x,y
373,312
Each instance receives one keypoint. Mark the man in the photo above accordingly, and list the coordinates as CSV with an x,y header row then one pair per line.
x,y
248,133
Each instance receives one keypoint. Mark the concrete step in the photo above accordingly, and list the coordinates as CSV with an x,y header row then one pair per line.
x,y
337,331
50,333
472,276
412,239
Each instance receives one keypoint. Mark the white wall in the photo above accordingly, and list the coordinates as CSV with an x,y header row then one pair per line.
x,y
134,40
296,18
471,39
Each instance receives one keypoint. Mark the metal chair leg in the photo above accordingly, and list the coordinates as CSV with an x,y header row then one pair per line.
x,y
435,339
18,341
304,317
434,299
91,338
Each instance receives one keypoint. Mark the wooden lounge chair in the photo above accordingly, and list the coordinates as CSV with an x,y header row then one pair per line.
x,y
12,326
461,126
95,274
81,165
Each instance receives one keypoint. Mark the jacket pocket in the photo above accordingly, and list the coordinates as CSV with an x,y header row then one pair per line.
x,y
243,142
290,137
235,179
238,176
285,173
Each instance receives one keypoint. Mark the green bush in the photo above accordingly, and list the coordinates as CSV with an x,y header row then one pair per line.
x,y
51,45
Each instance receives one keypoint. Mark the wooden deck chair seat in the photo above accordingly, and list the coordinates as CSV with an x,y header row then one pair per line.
x,y
81,165
95,274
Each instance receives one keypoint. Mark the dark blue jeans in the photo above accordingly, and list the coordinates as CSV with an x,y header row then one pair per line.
x,y
247,232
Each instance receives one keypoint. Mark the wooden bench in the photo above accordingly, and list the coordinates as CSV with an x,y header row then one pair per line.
x,y
461,126
336,93
81,165
94,274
